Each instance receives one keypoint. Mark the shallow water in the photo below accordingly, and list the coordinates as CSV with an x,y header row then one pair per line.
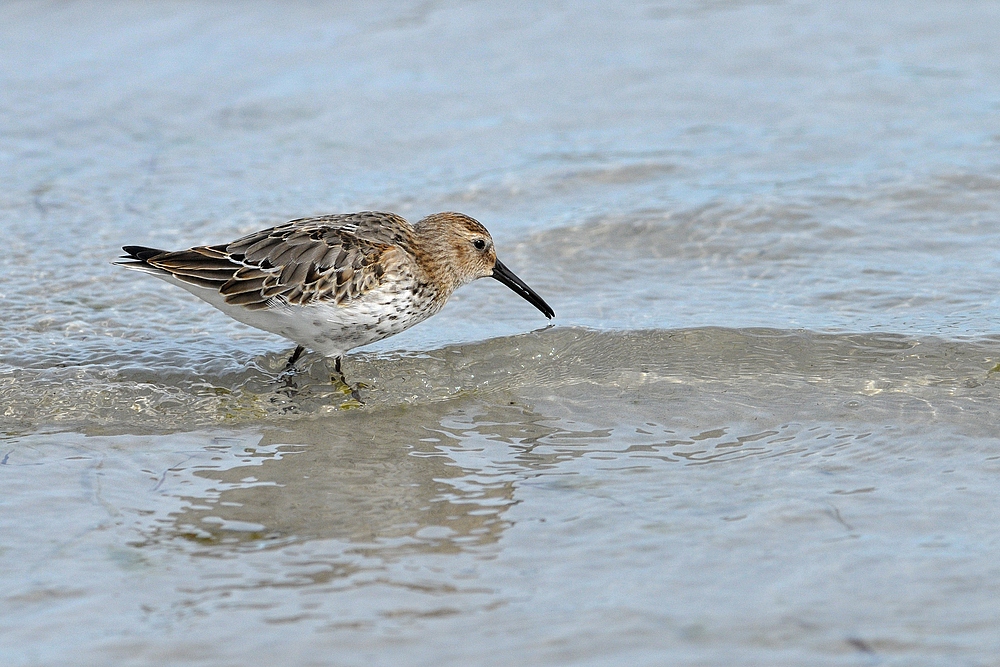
x,y
761,429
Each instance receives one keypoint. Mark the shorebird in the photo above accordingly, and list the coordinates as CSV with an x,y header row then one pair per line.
x,y
336,282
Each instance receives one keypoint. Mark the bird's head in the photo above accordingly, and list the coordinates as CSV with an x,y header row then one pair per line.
x,y
462,248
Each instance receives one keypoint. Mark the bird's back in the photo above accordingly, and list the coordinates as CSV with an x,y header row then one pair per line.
x,y
329,259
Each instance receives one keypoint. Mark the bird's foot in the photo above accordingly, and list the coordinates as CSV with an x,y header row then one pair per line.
x,y
290,366
352,393
289,372
341,385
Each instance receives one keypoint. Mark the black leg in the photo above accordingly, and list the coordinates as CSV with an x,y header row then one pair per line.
x,y
288,373
338,373
295,357
339,377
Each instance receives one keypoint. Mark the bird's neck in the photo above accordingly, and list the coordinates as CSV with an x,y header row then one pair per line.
x,y
437,255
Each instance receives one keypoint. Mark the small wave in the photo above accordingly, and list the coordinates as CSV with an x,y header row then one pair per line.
x,y
765,369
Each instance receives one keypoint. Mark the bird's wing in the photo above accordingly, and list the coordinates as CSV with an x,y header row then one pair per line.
x,y
332,259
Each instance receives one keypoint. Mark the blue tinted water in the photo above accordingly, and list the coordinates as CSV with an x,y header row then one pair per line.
x,y
761,430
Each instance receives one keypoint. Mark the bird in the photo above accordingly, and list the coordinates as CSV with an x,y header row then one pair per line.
x,y
332,283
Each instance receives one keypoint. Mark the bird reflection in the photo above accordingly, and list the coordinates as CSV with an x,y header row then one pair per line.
x,y
403,480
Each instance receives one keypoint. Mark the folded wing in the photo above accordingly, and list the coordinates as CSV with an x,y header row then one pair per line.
x,y
329,259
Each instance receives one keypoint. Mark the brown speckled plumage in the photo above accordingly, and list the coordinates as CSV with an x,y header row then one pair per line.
x,y
330,258
335,282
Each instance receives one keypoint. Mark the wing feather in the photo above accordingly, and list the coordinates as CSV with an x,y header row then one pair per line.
x,y
335,258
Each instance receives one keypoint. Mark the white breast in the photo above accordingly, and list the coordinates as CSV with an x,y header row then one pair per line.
x,y
329,329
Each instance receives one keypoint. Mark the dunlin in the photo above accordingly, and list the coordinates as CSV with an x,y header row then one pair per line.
x,y
336,282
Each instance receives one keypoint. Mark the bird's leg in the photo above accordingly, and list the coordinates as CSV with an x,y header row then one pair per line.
x,y
287,374
340,380
295,357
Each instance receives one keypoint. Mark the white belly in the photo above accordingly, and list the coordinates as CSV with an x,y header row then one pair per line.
x,y
327,328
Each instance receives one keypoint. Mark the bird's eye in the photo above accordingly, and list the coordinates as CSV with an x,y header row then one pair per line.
x,y
479,244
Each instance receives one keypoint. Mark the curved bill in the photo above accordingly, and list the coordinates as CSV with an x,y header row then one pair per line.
x,y
507,277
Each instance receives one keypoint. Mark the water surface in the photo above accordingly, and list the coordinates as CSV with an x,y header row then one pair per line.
x,y
761,429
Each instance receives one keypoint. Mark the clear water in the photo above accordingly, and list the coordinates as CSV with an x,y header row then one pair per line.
x,y
761,431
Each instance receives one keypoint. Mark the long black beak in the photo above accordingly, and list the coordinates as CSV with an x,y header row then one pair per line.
x,y
507,277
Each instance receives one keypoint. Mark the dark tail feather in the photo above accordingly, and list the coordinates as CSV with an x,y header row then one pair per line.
x,y
203,266
140,253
